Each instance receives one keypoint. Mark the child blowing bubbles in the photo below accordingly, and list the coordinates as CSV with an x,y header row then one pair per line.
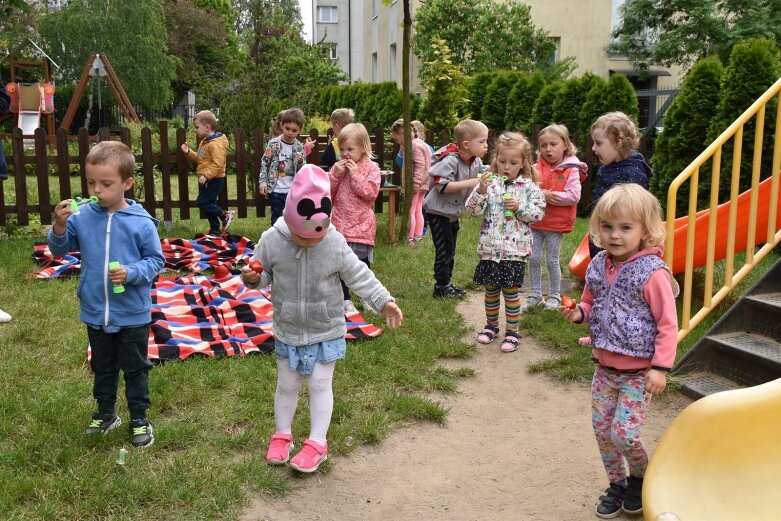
x,y
303,258
560,176
355,184
629,304
114,229
510,200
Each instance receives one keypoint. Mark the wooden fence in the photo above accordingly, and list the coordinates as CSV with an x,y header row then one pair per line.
x,y
51,158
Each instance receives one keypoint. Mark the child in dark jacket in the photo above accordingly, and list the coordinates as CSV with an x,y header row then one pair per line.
x,y
120,257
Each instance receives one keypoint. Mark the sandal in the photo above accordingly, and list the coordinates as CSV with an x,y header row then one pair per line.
x,y
488,334
511,342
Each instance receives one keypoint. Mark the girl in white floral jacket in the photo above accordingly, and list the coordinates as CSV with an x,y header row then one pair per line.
x,y
509,200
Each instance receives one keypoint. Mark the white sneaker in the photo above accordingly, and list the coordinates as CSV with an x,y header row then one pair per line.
x,y
552,303
531,301
349,307
4,317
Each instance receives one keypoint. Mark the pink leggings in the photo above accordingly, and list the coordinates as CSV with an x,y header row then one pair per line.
x,y
416,216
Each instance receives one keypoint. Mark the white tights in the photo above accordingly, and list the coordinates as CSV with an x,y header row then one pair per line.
x,y
321,398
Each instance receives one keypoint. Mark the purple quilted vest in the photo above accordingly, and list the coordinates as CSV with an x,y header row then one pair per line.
x,y
620,319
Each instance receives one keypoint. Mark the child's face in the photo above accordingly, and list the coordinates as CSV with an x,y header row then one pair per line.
x,y
201,130
351,150
290,131
552,149
605,150
105,182
477,146
304,242
398,137
622,236
509,161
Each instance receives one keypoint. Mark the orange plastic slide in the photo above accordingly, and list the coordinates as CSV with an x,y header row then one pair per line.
x,y
579,261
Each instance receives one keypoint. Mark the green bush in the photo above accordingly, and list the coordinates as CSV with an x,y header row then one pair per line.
x,y
520,102
753,67
593,107
495,103
621,96
686,129
570,99
542,113
478,84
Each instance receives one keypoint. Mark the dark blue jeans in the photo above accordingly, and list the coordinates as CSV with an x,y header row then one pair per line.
x,y
207,201
125,350
277,201
444,234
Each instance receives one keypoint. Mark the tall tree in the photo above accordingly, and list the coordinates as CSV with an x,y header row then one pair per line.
x,y
482,35
446,94
133,36
683,31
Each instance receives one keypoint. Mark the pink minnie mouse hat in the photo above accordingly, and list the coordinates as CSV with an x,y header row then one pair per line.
x,y
308,207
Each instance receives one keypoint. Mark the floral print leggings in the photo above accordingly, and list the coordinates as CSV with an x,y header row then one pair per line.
x,y
618,405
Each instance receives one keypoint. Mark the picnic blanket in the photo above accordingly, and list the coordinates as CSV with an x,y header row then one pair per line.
x,y
196,314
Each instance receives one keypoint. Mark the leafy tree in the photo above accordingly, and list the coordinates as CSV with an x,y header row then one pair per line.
x,y
133,36
683,31
520,102
593,107
621,96
570,100
478,85
686,128
753,67
542,113
446,94
495,104
482,35
17,21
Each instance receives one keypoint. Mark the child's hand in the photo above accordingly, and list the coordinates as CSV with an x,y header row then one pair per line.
x,y
351,166
202,179
248,276
299,158
340,167
511,203
309,142
484,181
185,148
392,314
263,189
118,275
61,213
655,381
571,314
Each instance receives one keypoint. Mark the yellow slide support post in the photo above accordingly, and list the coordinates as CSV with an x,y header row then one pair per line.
x,y
720,460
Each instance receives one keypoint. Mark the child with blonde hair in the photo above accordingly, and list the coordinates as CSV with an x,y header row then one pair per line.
x,y
629,305
510,201
340,118
421,160
615,141
560,175
452,177
355,184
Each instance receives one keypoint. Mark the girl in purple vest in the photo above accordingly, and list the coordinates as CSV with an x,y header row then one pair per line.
x,y
629,304
561,173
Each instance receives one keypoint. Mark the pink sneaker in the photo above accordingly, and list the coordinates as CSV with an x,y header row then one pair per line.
x,y
279,449
584,340
310,457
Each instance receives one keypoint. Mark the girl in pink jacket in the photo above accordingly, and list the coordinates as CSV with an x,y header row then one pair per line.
x,y
421,162
355,184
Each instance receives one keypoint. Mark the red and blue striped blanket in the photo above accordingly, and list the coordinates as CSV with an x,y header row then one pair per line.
x,y
215,316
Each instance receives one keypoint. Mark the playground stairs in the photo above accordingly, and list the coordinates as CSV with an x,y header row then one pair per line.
x,y
743,348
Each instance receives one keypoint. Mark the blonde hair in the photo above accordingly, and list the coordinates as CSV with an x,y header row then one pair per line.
x,y
620,131
356,133
116,154
634,201
469,129
206,117
342,117
561,132
399,125
519,141
420,130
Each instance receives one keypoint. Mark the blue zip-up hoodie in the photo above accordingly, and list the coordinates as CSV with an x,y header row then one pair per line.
x,y
128,236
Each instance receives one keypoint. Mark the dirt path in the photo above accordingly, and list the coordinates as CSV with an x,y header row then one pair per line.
x,y
517,446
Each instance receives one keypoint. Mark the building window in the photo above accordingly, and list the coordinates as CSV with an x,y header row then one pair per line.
x,y
326,14
557,52
392,62
374,67
328,50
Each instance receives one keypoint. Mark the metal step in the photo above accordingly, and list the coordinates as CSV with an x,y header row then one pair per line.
x,y
700,384
751,345
746,358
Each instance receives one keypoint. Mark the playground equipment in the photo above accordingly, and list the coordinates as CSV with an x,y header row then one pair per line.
x,y
719,459
29,102
579,261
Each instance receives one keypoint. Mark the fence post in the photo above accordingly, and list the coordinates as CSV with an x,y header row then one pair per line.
x,y
314,157
260,147
148,170
17,143
63,163
241,173
165,162
182,171
83,135
42,175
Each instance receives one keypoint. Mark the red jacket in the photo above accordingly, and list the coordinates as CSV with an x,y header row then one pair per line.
x,y
564,180
353,202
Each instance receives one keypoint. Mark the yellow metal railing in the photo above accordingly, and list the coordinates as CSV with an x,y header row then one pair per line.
x,y
692,174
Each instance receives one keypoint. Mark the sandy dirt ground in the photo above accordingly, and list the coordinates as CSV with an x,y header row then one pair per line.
x,y
516,446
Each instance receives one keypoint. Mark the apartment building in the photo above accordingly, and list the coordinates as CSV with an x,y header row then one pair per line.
x,y
366,38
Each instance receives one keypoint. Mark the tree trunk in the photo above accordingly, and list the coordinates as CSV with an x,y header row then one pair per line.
x,y
409,182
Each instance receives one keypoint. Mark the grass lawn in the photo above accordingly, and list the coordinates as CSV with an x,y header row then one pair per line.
x,y
213,418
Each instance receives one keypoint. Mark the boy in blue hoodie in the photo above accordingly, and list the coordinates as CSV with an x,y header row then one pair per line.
x,y
120,257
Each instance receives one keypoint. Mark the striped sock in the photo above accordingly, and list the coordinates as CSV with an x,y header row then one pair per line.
x,y
512,308
492,304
